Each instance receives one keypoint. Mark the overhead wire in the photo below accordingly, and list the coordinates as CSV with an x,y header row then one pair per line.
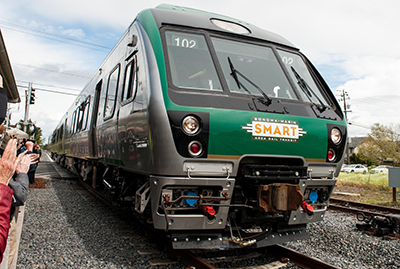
x,y
50,70
47,90
46,35
48,85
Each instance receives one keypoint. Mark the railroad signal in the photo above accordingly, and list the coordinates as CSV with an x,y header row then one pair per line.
x,y
32,97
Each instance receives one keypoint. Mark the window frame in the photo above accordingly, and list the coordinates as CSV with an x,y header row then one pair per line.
x,y
206,35
87,106
72,129
111,114
131,83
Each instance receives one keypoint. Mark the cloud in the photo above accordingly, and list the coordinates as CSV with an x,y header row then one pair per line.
x,y
373,91
77,33
354,44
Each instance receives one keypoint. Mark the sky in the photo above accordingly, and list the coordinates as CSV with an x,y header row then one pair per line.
x,y
59,45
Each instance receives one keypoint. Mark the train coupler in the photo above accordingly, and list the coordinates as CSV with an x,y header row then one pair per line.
x,y
278,197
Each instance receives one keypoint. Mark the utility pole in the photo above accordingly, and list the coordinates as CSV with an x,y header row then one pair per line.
x,y
27,105
343,96
8,117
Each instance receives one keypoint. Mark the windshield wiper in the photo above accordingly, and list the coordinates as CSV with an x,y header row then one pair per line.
x,y
308,91
266,100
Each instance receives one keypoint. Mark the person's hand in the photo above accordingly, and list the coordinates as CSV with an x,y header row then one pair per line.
x,y
9,162
26,161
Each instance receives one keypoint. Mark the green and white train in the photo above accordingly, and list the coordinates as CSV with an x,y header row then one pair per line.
x,y
218,132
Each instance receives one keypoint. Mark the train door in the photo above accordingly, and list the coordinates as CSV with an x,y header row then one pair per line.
x,y
132,126
93,122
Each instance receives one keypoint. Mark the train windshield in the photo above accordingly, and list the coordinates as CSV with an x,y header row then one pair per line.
x,y
214,71
191,63
258,64
308,89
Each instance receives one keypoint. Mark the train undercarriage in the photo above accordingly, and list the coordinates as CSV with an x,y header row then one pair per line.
x,y
263,205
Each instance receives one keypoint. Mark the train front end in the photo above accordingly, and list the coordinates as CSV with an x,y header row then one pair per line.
x,y
257,136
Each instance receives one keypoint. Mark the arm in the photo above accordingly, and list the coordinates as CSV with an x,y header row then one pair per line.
x,y
8,164
5,208
20,186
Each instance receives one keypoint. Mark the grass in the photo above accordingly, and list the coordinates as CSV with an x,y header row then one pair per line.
x,y
372,188
365,181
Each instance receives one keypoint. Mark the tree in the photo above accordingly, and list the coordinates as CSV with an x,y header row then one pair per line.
x,y
381,144
33,131
38,136
357,158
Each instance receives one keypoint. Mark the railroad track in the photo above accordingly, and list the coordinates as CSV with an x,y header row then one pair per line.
x,y
192,260
300,259
372,219
366,209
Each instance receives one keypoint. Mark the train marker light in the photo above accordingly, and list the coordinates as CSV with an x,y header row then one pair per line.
x,y
190,125
331,155
195,148
336,136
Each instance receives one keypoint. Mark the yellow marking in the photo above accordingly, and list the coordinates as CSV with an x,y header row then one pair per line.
x,y
232,157
315,160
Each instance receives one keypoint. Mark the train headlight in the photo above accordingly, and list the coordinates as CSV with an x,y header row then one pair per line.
x,y
336,136
190,125
231,26
195,148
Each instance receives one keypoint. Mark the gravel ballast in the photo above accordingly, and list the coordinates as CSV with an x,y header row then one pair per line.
x,y
67,227
337,241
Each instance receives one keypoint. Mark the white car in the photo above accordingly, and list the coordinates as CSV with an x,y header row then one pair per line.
x,y
380,169
342,169
355,168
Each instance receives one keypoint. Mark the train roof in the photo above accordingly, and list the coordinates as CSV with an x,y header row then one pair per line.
x,y
165,14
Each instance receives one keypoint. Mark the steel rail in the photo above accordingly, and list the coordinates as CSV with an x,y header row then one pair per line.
x,y
298,258
354,207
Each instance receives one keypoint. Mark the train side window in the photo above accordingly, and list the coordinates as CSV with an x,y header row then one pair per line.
x,y
112,89
130,81
79,116
82,113
73,122
86,113
61,133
